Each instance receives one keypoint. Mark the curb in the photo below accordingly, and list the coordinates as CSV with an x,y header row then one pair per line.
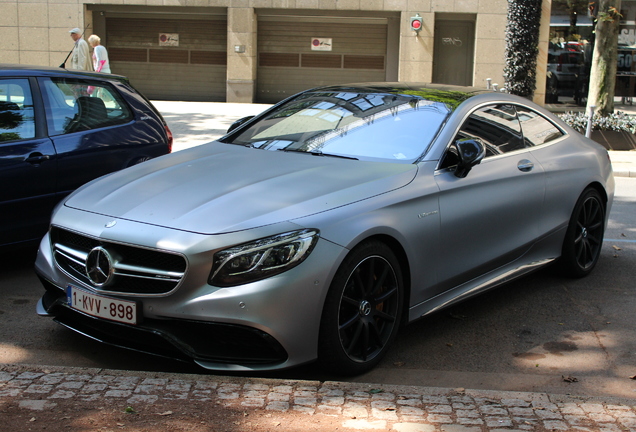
x,y
353,405
623,163
620,171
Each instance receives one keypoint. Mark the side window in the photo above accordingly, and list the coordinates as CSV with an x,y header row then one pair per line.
x,y
496,126
76,105
17,119
537,129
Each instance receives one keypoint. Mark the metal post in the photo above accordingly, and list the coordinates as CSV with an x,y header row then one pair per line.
x,y
488,83
588,131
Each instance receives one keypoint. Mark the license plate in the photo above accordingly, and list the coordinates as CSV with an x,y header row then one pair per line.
x,y
124,311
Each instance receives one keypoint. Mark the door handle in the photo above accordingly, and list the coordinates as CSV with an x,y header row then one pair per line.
x,y
525,165
37,158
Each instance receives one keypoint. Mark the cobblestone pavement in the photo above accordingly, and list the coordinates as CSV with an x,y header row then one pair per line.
x,y
356,406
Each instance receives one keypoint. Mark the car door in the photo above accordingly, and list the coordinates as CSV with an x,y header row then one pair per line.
x,y
491,217
92,129
28,170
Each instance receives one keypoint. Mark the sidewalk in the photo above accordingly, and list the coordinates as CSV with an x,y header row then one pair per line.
x,y
195,123
63,399
623,163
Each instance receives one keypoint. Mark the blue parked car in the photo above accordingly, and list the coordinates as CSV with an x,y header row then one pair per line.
x,y
60,129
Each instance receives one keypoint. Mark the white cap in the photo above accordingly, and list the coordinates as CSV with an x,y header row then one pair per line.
x,y
75,30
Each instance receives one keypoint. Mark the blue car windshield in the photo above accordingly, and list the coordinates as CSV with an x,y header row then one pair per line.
x,y
365,126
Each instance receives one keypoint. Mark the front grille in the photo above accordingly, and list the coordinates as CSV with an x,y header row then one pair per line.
x,y
136,270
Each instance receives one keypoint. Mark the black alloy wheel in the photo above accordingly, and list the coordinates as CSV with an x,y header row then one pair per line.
x,y
362,311
584,237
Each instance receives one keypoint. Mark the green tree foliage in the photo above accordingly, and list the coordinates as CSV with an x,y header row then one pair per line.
x,y
522,46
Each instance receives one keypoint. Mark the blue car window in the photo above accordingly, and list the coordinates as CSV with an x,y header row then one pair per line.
x,y
77,105
17,121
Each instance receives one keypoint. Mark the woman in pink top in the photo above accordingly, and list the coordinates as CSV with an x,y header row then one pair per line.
x,y
100,55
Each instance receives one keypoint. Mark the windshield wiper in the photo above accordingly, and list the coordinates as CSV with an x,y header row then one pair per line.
x,y
317,153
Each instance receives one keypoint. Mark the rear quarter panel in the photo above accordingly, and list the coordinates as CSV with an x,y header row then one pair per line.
x,y
571,165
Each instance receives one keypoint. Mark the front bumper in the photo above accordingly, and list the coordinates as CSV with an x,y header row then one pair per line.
x,y
178,339
265,325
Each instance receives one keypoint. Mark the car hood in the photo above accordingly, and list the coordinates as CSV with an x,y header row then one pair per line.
x,y
218,188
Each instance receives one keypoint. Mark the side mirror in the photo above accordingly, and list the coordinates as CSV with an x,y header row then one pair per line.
x,y
470,153
238,123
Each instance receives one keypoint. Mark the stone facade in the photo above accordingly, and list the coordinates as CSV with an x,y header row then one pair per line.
x,y
36,32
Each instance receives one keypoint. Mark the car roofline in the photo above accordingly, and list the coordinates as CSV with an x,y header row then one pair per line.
x,y
30,70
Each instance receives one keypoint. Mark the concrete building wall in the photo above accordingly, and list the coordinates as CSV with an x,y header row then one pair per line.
x,y
241,66
36,32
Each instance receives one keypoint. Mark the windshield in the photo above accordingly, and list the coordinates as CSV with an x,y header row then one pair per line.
x,y
365,126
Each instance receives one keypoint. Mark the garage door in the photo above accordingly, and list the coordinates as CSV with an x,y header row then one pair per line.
x,y
296,53
171,59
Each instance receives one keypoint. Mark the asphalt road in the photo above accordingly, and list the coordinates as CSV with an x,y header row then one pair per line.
x,y
541,333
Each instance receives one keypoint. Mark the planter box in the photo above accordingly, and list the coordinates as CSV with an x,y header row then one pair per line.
x,y
613,140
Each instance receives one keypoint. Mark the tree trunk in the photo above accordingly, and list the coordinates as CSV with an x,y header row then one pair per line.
x,y
603,72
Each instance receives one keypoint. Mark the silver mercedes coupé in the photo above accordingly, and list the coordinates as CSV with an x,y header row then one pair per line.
x,y
318,228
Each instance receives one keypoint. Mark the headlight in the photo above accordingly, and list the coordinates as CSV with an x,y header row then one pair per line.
x,y
262,258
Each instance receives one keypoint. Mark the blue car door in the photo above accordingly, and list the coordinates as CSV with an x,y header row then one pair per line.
x,y
28,165
93,130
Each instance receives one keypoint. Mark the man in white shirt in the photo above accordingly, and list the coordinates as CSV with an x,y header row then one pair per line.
x,y
81,59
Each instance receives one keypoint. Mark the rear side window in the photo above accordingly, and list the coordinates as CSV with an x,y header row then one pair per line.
x,y
17,121
76,105
537,129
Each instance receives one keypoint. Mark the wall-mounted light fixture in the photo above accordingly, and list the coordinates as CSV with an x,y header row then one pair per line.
x,y
416,23
239,48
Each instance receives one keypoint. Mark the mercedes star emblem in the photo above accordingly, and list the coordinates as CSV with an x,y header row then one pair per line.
x,y
99,266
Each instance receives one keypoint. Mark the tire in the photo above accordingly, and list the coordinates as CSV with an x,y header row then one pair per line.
x,y
362,310
584,236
